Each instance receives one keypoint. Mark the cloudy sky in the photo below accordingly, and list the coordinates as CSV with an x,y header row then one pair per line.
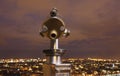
x,y
94,26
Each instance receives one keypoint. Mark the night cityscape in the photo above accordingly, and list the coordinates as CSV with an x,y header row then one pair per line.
x,y
80,67
59,38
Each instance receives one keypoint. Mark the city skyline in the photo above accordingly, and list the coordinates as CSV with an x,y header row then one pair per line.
x,y
94,27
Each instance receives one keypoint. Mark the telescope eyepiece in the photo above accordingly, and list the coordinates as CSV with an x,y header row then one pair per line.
x,y
53,13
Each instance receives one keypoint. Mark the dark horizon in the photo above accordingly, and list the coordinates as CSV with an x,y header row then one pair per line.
x,y
94,26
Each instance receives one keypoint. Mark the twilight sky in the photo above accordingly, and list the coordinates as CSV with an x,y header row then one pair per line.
x,y
94,26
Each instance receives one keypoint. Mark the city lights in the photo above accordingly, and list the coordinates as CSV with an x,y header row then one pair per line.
x,y
80,67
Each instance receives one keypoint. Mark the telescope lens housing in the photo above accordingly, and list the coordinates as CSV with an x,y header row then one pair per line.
x,y
54,28
53,35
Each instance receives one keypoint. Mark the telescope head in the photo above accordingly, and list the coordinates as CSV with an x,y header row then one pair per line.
x,y
54,27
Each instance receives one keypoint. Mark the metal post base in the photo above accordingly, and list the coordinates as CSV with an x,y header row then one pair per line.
x,y
54,65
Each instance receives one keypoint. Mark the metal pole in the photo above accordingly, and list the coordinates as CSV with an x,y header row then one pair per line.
x,y
54,44
55,59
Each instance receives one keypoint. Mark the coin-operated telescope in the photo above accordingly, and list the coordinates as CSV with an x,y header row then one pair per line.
x,y
54,28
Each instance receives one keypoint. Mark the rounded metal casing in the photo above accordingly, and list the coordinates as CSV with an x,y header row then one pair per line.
x,y
53,28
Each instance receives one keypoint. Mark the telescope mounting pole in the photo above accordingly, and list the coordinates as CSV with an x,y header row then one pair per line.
x,y
54,44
